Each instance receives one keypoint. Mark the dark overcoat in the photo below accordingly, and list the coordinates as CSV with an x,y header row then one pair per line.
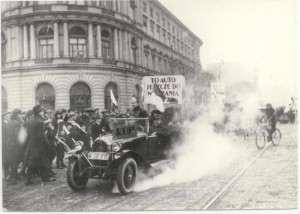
x,y
38,145
13,147
96,130
4,143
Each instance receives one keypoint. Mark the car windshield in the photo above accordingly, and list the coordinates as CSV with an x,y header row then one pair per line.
x,y
128,127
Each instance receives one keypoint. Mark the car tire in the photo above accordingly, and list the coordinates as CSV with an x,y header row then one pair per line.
x,y
75,182
127,176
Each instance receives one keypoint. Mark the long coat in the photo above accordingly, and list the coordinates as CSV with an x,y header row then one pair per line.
x,y
13,147
96,130
38,145
5,153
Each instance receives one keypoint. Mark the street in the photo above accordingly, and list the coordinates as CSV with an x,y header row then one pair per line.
x,y
269,183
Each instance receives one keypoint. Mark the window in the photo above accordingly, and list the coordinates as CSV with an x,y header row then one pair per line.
x,y
157,17
173,30
107,101
163,22
144,7
45,96
106,44
134,48
152,28
158,32
4,100
3,48
138,92
107,4
46,42
77,42
145,23
151,12
164,35
80,96
168,26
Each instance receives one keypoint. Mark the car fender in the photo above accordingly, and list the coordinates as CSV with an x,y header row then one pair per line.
x,y
128,153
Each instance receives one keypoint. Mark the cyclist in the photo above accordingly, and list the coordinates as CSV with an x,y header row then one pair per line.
x,y
269,119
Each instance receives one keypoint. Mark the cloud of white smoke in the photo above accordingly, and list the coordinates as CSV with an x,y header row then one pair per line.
x,y
202,152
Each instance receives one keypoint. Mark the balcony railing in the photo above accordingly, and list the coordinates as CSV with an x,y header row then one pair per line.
x,y
42,7
43,61
79,60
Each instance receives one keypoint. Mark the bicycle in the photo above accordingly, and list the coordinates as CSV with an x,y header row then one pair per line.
x,y
262,134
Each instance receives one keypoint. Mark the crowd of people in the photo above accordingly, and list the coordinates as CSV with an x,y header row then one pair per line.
x,y
31,142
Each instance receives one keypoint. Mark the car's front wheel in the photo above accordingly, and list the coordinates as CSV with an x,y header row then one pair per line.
x,y
75,181
127,175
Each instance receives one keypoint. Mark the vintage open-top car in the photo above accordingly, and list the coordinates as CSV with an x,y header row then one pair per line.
x,y
118,156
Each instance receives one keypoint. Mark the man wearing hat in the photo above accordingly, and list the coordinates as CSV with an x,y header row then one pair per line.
x,y
5,163
14,146
38,152
97,127
137,111
269,118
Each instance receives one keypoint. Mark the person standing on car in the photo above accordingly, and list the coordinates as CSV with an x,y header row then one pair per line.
x,y
38,153
136,110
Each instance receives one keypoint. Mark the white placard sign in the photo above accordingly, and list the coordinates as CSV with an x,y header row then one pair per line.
x,y
171,87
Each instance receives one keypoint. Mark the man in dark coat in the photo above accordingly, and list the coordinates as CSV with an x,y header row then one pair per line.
x,y
5,163
14,146
97,127
38,152
137,111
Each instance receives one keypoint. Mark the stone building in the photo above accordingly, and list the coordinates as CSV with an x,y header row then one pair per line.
x,y
70,54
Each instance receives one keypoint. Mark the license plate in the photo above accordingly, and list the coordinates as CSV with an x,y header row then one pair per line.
x,y
98,155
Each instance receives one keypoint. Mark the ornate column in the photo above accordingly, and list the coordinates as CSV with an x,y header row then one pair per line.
x,y
66,39
56,40
130,52
114,5
25,41
32,42
91,41
126,52
99,42
120,45
116,49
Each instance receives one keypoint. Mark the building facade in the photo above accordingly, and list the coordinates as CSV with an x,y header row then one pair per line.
x,y
71,54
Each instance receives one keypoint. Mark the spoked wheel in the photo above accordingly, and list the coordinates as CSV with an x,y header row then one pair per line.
x,y
75,181
260,140
276,137
127,174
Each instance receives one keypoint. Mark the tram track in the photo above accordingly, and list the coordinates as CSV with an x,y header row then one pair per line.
x,y
233,181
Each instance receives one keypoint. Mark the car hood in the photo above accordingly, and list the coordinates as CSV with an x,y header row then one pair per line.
x,y
109,138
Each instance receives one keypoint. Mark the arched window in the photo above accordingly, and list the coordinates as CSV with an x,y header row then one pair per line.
x,y
134,48
80,96
138,92
114,87
106,44
46,42
3,48
45,96
4,99
107,4
77,42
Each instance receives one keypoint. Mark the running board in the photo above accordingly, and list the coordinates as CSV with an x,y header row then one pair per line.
x,y
159,163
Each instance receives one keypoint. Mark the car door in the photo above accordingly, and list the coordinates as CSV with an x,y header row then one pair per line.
x,y
154,149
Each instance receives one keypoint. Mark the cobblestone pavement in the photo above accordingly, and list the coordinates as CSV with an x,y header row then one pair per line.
x,y
271,182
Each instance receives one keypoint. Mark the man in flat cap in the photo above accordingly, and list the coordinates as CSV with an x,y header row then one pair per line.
x,y
38,153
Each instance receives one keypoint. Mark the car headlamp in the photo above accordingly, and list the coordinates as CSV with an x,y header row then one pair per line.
x,y
78,145
116,146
